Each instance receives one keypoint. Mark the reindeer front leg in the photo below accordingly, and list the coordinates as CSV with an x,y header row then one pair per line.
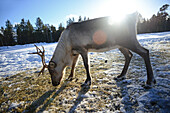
x,y
73,67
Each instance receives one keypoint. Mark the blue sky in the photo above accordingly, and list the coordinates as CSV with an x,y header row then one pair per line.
x,y
54,12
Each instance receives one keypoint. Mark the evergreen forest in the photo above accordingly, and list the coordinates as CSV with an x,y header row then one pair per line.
x,y
25,33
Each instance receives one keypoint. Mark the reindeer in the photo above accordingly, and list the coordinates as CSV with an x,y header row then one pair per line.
x,y
97,35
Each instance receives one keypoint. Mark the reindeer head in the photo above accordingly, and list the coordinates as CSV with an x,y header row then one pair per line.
x,y
56,72
52,67
55,67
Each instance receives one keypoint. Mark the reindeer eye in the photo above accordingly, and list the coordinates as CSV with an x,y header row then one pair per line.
x,y
52,64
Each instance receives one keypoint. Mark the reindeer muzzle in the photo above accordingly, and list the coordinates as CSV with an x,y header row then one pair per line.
x,y
55,83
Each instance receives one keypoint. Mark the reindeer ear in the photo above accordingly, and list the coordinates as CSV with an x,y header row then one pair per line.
x,y
52,64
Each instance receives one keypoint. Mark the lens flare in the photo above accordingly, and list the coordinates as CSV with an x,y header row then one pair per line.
x,y
99,37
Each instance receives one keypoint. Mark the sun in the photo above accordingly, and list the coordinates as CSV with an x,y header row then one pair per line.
x,y
116,9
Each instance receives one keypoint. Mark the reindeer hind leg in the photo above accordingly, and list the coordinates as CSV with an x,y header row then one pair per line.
x,y
86,65
128,55
144,53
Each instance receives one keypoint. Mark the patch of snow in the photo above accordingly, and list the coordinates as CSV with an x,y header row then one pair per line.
x,y
85,96
15,59
17,89
15,104
112,71
153,35
15,83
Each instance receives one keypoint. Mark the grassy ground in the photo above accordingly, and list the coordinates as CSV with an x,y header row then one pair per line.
x,y
26,92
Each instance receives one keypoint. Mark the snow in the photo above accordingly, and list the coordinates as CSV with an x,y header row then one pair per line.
x,y
15,104
154,35
15,59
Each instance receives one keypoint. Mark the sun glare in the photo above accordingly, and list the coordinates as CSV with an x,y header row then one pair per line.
x,y
116,20
116,9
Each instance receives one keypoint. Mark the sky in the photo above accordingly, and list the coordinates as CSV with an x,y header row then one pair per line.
x,y
54,12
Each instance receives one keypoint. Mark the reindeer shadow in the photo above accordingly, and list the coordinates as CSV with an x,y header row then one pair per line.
x,y
32,108
126,100
83,91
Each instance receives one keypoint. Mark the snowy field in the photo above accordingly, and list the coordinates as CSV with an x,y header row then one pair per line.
x,y
25,92
14,59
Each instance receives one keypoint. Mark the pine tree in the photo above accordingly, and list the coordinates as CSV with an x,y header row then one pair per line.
x,y
80,19
2,39
47,33
59,31
39,24
69,21
30,32
18,30
85,18
53,31
39,27
163,16
23,28
8,34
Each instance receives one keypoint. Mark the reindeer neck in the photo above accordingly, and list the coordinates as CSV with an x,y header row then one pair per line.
x,y
61,51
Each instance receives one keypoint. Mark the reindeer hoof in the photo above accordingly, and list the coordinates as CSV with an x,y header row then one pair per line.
x,y
119,78
154,81
86,84
146,86
151,82
149,85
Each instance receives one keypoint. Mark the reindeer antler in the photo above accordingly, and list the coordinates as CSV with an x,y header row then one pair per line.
x,y
42,55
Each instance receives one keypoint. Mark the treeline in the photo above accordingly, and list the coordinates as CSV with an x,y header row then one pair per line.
x,y
157,23
25,33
